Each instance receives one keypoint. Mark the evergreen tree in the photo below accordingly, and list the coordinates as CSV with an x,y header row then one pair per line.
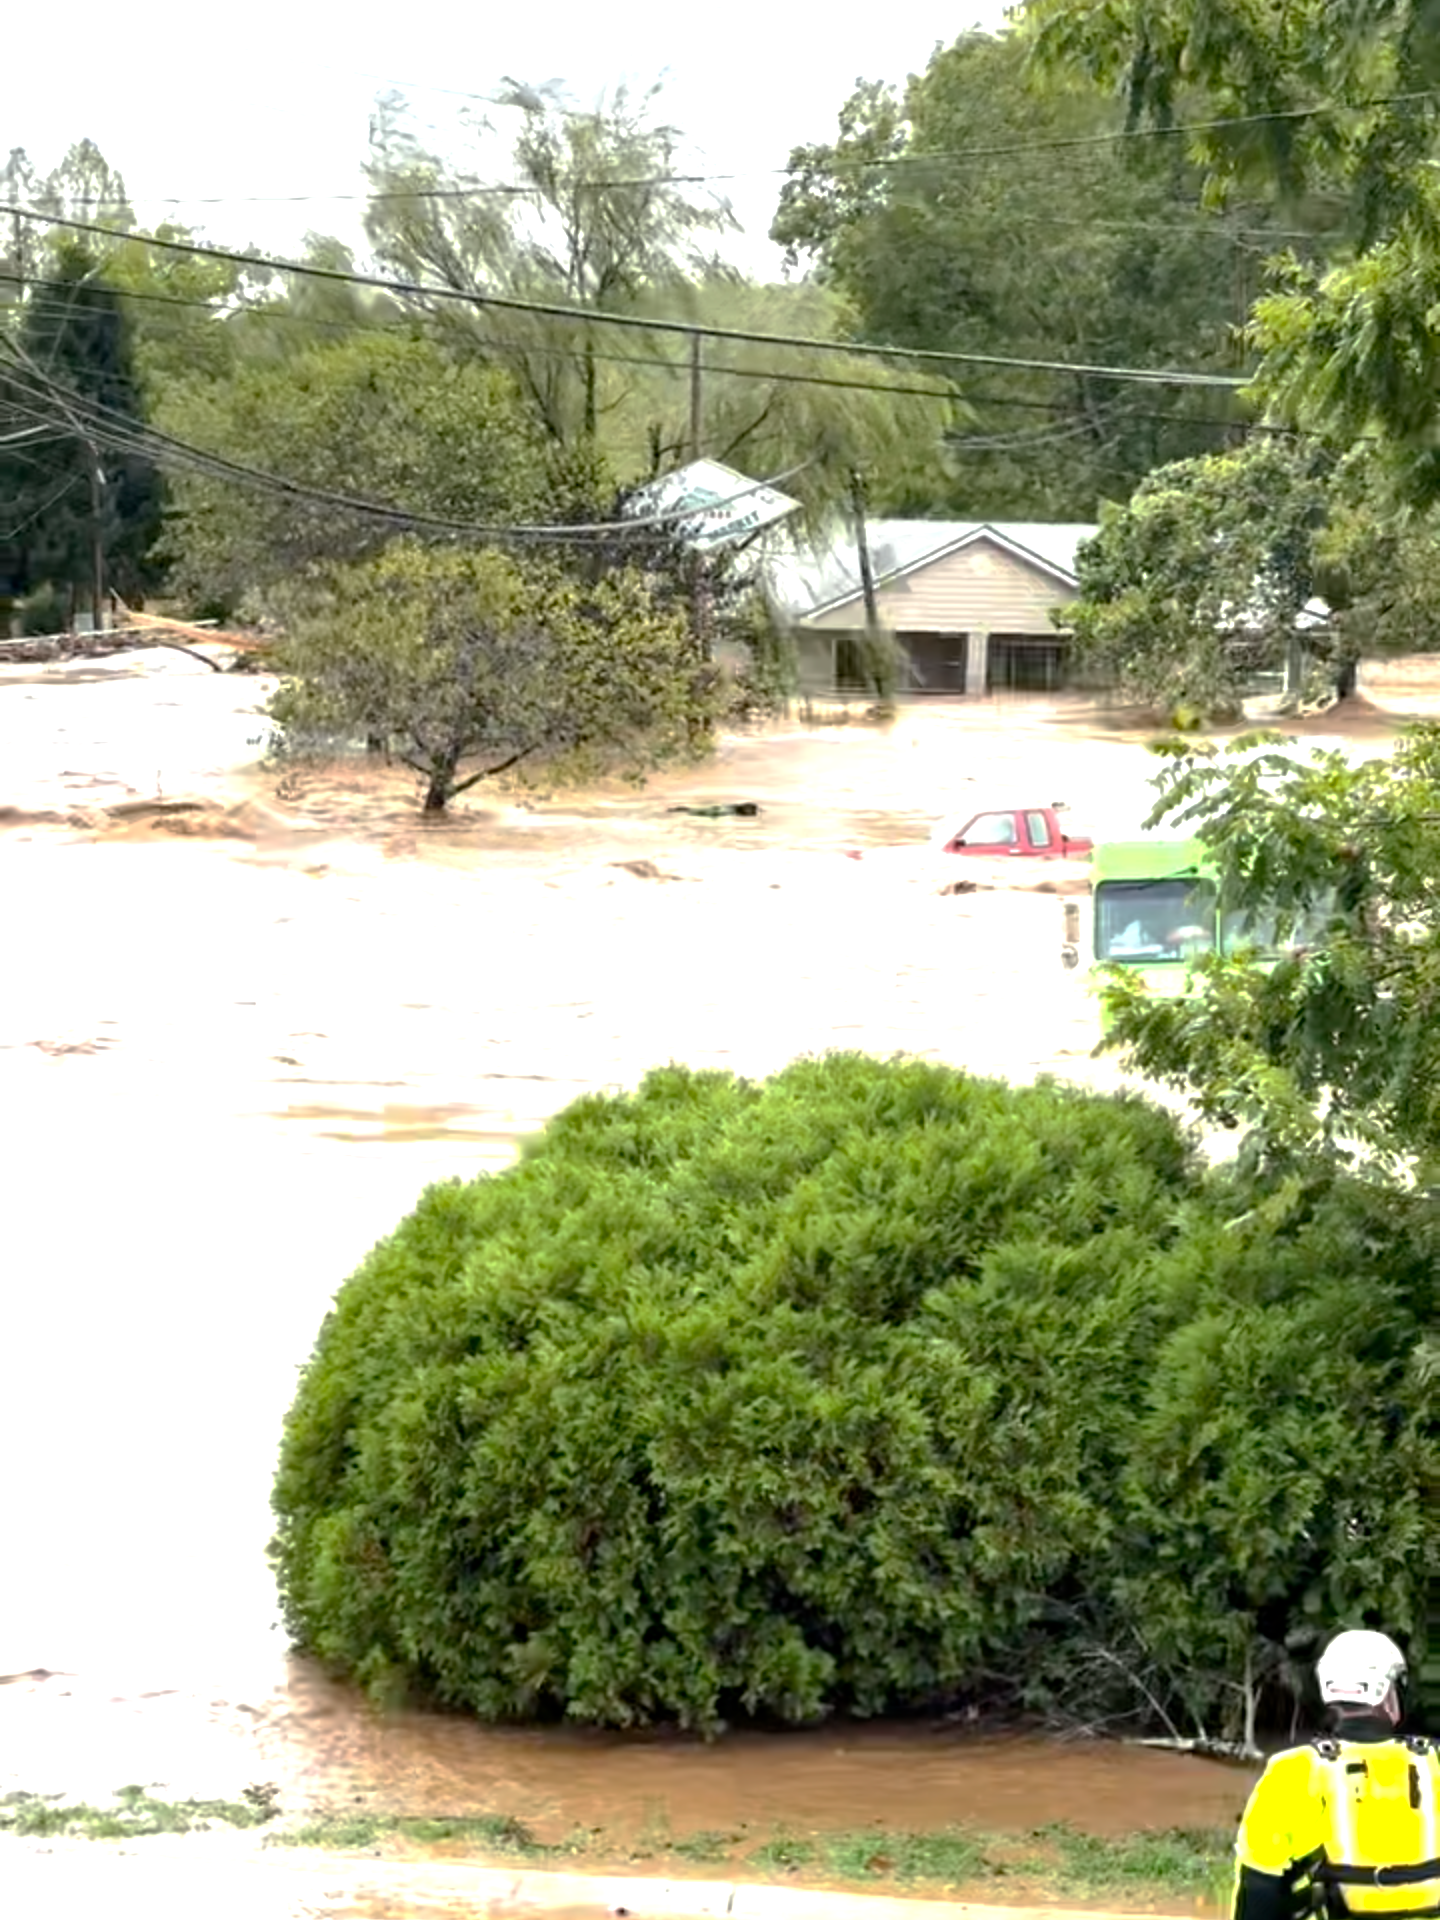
x,y
83,507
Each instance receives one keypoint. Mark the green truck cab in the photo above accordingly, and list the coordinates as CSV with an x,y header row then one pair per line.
x,y
1156,906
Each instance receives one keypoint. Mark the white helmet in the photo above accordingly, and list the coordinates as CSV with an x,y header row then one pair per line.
x,y
1358,1669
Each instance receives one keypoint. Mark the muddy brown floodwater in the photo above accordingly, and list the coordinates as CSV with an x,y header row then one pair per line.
x,y
246,1020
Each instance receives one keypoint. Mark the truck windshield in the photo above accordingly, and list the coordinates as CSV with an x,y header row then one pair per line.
x,y
1144,921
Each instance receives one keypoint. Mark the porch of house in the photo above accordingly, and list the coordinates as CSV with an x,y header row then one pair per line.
x,y
832,663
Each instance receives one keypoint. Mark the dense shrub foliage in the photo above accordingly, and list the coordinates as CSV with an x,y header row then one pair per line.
x,y
852,1390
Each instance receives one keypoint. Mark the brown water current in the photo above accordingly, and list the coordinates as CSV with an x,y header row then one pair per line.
x,y
246,1019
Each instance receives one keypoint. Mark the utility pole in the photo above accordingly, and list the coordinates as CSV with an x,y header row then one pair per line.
x,y
699,584
867,579
878,665
97,531
695,415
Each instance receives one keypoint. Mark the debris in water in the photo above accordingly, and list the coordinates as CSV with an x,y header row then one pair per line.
x,y
746,809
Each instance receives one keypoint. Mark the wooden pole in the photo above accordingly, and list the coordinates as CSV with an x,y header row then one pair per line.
x,y
97,533
699,595
867,578
878,665
695,396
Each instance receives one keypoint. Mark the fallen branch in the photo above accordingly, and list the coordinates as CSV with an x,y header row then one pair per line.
x,y
1213,1749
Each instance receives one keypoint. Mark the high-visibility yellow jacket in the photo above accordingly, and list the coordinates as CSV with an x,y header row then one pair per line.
x,y
1342,1826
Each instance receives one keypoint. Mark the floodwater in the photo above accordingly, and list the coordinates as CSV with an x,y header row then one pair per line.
x,y
246,1019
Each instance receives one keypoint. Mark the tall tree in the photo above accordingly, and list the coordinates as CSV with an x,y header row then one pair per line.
x,y
595,220
86,504
1322,95
979,214
84,186
387,414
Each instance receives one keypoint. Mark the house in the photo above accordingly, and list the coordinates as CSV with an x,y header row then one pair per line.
x,y
969,603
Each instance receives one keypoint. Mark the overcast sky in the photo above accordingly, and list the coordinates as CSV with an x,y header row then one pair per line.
x,y
271,99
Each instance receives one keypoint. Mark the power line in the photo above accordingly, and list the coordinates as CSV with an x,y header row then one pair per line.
x,y
949,394
1064,143
1202,225
44,508
415,290
509,343
117,430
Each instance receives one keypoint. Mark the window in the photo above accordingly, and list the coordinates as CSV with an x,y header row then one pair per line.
x,y
1140,922
989,830
1038,828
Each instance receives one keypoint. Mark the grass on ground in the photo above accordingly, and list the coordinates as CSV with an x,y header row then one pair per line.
x,y
1182,1868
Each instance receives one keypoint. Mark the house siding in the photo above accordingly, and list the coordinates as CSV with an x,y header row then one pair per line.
x,y
977,590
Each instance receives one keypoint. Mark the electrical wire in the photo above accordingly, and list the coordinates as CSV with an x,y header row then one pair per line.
x,y
44,508
1066,143
504,342
116,430
948,395
416,290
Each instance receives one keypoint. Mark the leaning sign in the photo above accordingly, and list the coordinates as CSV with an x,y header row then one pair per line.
x,y
718,504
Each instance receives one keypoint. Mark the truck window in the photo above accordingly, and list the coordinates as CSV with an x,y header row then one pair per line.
x,y
1038,828
1143,921
990,830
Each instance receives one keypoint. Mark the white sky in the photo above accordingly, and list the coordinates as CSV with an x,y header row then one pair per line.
x,y
267,98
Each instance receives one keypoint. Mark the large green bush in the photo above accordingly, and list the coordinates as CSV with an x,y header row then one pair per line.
x,y
840,1392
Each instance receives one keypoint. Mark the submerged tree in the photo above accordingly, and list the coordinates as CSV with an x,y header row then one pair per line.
x,y
470,662
1205,578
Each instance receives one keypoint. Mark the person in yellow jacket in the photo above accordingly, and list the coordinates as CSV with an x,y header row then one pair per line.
x,y
1348,1824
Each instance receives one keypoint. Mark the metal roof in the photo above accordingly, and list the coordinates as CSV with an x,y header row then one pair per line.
x,y
804,581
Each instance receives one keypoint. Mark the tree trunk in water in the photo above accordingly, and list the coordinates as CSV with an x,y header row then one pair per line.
x,y
437,793
1294,670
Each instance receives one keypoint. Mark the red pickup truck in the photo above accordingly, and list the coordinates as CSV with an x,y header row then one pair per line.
x,y
1036,832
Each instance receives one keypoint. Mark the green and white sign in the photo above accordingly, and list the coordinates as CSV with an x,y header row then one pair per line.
x,y
719,504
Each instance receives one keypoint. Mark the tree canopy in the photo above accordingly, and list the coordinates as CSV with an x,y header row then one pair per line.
x,y
1335,1053
600,226
471,661
1322,97
874,1386
1203,578
385,414
597,225
83,497
1276,559
981,214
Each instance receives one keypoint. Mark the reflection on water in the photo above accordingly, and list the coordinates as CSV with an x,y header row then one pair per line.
x,y
203,1039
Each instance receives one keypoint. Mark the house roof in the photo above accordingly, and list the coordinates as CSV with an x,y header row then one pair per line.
x,y
805,581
